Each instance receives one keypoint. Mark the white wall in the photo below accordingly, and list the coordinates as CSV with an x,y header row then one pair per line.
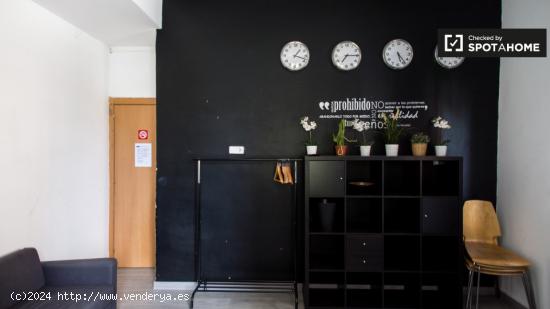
x,y
53,135
132,72
524,152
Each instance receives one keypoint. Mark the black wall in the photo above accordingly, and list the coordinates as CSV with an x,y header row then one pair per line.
x,y
220,83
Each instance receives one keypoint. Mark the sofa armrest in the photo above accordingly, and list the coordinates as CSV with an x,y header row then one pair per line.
x,y
81,272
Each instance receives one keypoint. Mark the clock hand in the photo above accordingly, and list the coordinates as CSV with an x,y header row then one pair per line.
x,y
296,54
354,55
300,57
400,58
345,56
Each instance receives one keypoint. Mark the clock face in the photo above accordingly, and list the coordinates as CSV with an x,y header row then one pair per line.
x,y
397,54
346,55
448,62
295,56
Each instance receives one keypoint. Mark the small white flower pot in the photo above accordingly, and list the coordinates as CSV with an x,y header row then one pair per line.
x,y
311,150
392,150
365,150
441,150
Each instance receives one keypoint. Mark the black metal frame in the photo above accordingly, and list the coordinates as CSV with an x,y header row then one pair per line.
x,y
249,286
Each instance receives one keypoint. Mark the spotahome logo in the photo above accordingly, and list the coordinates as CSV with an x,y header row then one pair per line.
x,y
491,43
454,42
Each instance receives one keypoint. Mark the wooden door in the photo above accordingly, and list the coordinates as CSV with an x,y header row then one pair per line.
x,y
133,131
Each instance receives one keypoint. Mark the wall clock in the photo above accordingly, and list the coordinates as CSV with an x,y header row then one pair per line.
x,y
346,55
295,56
448,62
397,54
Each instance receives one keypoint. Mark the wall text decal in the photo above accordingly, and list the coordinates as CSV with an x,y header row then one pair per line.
x,y
370,110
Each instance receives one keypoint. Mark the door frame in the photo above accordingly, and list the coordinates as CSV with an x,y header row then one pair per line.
x,y
112,103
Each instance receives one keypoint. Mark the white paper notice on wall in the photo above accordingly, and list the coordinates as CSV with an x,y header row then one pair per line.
x,y
143,155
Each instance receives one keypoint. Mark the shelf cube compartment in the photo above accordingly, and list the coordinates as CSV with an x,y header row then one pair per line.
x,y
440,178
326,215
327,179
364,215
401,253
326,252
402,290
402,178
440,253
326,289
402,215
441,215
364,178
441,291
364,290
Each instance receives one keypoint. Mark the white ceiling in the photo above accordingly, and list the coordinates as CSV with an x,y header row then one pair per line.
x,y
114,22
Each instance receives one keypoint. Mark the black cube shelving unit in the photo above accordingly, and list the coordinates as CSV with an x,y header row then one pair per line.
x,y
395,237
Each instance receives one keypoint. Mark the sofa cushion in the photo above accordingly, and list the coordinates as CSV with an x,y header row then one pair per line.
x,y
20,271
93,295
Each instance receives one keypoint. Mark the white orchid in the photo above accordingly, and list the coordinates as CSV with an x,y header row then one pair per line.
x,y
441,123
308,126
360,126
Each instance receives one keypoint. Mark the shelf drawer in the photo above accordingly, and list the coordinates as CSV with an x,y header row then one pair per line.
x,y
327,179
364,263
367,245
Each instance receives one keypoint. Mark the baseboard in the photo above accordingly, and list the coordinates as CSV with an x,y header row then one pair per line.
x,y
175,285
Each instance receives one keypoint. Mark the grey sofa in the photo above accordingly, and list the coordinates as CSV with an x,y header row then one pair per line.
x,y
22,274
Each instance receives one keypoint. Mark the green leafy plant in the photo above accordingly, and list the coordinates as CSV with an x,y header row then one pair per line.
x,y
420,138
392,131
340,138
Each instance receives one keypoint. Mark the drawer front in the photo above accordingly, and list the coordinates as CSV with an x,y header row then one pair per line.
x,y
441,215
326,179
363,263
369,245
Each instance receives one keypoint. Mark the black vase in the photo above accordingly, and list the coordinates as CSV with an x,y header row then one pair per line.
x,y
326,215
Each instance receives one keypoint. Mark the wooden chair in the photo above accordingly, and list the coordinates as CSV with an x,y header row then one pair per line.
x,y
481,231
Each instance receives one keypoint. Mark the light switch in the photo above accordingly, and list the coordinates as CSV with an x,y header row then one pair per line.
x,y
236,150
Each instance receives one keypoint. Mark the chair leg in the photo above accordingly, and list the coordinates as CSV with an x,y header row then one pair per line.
x,y
529,289
478,280
469,293
497,287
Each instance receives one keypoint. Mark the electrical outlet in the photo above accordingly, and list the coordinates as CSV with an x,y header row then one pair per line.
x,y
236,150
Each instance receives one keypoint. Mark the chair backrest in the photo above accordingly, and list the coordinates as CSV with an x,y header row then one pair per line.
x,y
480,222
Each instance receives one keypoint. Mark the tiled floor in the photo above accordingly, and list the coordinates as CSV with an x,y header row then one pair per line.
x,y
138,282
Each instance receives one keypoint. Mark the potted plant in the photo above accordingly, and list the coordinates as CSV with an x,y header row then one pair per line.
x,y
441,144
309,126
392,132
419,143
340,139
363,127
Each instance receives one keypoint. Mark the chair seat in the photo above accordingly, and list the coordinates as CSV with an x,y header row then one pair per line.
x,y
495,257
495,271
